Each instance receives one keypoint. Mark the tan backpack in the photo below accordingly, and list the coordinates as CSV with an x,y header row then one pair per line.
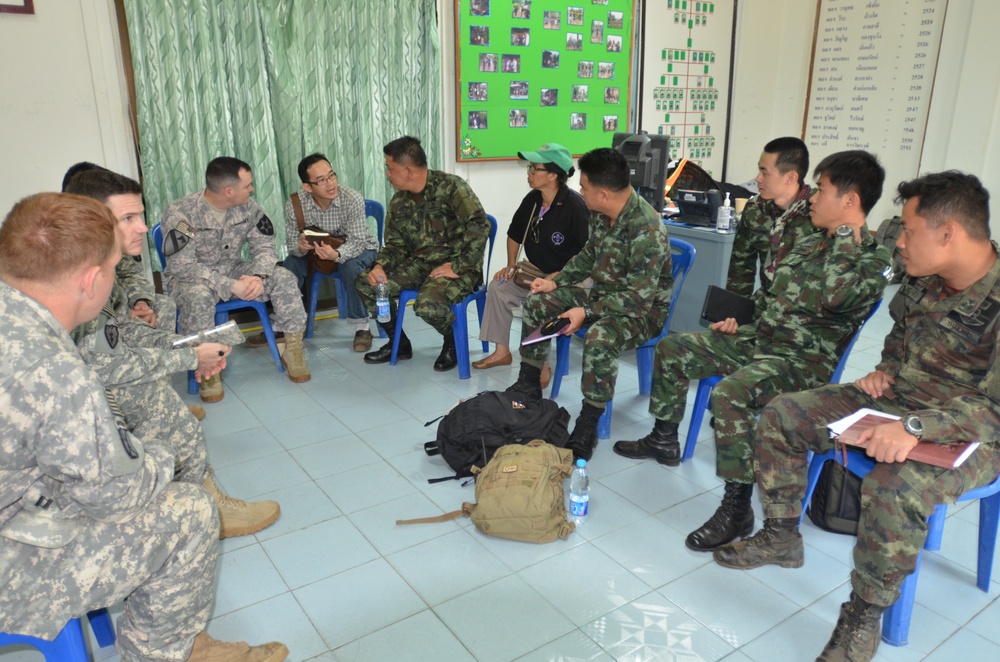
x,y
519,494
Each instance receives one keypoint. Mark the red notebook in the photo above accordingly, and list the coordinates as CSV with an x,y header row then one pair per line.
x,y
848,429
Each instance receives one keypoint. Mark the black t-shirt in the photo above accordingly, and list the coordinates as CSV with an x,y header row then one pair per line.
x,y
561,232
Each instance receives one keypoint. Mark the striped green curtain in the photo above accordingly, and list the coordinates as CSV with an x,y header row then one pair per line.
x,y
270,81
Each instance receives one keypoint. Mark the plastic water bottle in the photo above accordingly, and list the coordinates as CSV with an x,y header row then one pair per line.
x,y
579,494
382,302
724,217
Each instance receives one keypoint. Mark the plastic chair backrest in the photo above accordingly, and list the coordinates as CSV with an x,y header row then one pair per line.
x,y
842,363
374,209
157,233
682,254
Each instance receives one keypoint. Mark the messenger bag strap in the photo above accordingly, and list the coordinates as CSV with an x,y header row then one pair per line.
x,y
300,218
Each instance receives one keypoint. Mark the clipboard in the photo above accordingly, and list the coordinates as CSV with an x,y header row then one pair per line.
x,y
550,329
721,304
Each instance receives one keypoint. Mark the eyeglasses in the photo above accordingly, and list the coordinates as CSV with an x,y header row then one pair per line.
x,y
322,181
537,168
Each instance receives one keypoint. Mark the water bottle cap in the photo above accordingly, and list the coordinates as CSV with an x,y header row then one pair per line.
x,y
581,462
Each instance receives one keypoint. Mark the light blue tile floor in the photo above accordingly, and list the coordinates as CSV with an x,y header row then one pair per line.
x,y
337,580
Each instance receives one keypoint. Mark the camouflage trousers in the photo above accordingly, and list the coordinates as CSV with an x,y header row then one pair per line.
x,y
605,340
155,411
435,295
750,382
161,563
896,498
196,300
166,312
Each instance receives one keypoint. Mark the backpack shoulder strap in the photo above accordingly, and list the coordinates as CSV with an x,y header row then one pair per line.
x,y
465,510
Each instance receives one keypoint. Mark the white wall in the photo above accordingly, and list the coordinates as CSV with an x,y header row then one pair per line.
x,y
63,98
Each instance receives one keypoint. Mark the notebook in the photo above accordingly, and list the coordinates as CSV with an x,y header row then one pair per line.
x,y
721,304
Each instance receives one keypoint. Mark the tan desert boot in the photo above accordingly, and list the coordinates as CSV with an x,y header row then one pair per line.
x,y
207,649
197,411
211,389
239,517
294,359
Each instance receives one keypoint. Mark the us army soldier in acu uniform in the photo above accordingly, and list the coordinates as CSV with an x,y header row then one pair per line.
x,y
89,515
435,241
939,372
203,234
821,290
134,361
627,255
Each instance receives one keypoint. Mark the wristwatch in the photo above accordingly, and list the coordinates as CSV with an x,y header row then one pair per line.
x,y
844,230
913,425
587,313
262,277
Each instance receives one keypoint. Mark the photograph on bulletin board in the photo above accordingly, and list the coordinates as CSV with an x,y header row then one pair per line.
x,y
530,72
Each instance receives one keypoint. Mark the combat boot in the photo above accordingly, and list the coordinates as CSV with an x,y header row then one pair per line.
x,y
197,411
210,389
528,382
207,649
294,359
778,543
384,353
858,631
448,358
661,445
583,440
239,517
733,519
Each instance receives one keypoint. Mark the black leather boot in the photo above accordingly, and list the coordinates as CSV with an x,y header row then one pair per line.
x,y
384,353
529,382
583,440
733,519
858,631
661,445
447,359
778,543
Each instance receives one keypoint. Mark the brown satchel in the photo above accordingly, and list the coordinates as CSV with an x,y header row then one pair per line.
x,y
321,236
524,271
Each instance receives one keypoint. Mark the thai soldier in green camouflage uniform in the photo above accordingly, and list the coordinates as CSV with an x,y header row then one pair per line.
x,y
627,255
203,234
773,218
822,289
134,361
939,372
435,242
89,515
155,309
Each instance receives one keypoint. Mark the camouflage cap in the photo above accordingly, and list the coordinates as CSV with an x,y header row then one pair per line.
x,y
550,153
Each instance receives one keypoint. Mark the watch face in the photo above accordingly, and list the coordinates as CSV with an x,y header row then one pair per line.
x,y
844,231
913,425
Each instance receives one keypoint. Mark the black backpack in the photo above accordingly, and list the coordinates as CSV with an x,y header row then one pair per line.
x,y
836,502
473,431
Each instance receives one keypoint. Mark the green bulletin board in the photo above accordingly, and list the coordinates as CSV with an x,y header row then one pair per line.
x,y
530,72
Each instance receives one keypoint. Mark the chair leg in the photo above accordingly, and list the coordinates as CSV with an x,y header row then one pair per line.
x,y
815,467
338,284
989,516
192,383
935,528
481,308
896,619
460,330
644,361
562,365
314,282
604,422
702,402
104,629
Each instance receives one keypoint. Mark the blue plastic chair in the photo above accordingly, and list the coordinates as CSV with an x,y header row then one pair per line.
x,y
222,310
896,619
374,210
703,396
682,254
460,327
70,645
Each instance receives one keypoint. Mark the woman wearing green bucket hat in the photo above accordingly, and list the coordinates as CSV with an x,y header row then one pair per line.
x,y
551,225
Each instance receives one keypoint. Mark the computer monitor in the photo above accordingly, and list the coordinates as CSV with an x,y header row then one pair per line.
x,y
647,157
